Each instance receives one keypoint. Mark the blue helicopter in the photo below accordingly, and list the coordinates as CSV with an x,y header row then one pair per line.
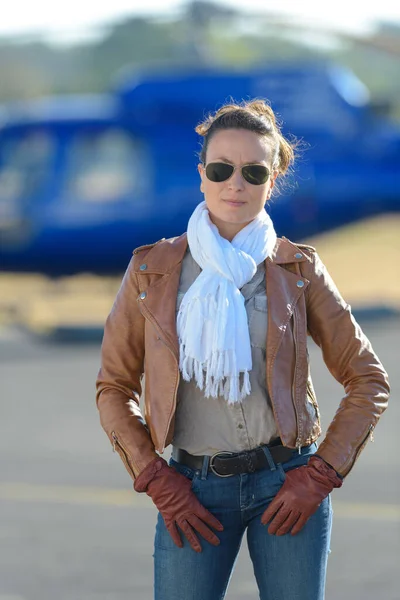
x,y
84,180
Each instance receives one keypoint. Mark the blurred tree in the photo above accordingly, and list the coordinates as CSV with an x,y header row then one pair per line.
x,y
204,33
199,17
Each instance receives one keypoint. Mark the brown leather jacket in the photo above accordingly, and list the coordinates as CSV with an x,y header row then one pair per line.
x,y
140,338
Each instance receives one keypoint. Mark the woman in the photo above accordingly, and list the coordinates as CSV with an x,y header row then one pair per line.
x,y
217,321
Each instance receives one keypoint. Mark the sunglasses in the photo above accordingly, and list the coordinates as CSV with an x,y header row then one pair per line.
x,y
254,174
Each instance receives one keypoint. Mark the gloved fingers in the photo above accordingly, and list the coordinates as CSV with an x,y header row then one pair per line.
x,y
272,509
202,528
289,522
279,519
190,535
174,533
209,518
298,526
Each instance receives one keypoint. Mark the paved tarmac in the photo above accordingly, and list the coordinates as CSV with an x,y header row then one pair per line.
x,y
71,528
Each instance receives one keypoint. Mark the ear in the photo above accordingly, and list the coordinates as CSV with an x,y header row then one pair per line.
x,y
272,183
200,169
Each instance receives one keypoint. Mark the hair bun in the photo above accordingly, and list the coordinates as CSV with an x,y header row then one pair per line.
x,y
254,115
261,108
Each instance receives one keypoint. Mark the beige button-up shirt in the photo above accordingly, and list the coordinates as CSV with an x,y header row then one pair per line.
x,y
209,425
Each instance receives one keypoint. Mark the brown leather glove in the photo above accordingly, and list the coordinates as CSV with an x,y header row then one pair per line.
x,y
171,493
301,494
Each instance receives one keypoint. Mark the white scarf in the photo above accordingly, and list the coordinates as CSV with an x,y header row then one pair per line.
x,y
213,332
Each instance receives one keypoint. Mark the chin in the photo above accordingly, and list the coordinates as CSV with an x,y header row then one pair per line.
x,y
229,215
238,219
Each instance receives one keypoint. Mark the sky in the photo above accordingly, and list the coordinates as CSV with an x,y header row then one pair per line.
x,y
76,20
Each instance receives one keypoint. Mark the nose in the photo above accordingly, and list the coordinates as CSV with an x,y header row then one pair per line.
x,y
236,181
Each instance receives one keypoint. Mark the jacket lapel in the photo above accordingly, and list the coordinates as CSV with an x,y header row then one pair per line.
x,y
163,268
283,288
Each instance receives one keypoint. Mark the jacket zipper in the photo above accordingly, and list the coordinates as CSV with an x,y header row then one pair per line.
x,y
175,391
122,452
298,440
173,354
370,435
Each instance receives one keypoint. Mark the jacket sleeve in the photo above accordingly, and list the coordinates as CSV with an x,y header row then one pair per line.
x,y
350,358
118,382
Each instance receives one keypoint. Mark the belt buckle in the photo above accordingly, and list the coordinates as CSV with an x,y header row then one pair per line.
x,y
211,464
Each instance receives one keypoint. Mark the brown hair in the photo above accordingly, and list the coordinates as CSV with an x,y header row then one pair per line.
x,y
255,115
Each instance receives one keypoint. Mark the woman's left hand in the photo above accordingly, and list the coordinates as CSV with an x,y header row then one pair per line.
x,y
300,496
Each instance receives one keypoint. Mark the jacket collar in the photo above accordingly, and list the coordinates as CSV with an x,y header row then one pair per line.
x,y
286,251
163,257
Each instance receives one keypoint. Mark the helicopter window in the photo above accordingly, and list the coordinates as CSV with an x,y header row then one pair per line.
x,y
349,86
103,166
310,103
25,163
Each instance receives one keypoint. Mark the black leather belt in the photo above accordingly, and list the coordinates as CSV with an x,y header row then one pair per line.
x,y
226,464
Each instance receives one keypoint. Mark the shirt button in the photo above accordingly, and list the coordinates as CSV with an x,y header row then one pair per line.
x,y
143,267
240,426
142,295
300,283
298,255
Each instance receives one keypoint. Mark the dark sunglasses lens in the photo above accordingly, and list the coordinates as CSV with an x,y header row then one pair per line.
x,y
255,174
218,171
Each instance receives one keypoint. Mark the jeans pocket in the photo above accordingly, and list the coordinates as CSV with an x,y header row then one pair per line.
x,y
184,470
299,460
281,472
295,463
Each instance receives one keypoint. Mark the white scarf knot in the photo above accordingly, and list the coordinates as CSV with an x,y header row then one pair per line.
x,y
213,332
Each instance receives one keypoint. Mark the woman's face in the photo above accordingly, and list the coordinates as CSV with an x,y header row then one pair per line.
x,y
234,203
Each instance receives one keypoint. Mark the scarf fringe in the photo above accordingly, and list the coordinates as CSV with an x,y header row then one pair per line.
x,y
230,387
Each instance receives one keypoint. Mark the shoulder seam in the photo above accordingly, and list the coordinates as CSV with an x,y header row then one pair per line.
x,y
307,247
146,246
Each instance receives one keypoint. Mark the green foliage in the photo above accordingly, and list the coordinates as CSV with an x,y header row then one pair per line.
x,y
205,33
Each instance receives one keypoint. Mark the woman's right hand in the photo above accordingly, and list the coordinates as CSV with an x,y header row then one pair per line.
x,y
171,493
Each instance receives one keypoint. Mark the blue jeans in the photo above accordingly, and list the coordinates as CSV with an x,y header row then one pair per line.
x,y
286,567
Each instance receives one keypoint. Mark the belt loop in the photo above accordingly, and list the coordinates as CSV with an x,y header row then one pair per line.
x,y
270,460
204,469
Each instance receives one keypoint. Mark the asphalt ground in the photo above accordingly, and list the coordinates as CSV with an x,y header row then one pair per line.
x,y
71,527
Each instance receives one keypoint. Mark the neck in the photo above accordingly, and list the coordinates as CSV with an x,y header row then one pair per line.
x,y
227,230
